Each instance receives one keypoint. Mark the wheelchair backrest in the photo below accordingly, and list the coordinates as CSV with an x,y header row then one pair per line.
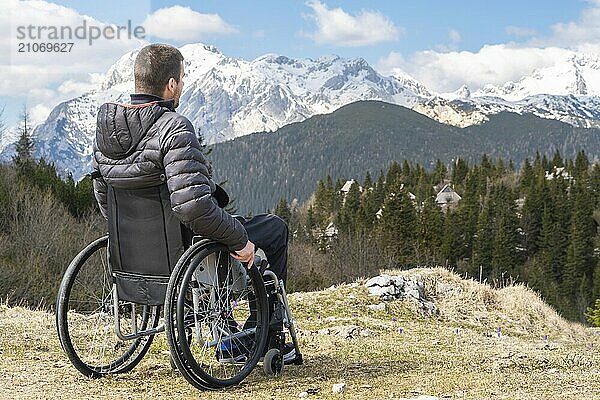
x,y
145,241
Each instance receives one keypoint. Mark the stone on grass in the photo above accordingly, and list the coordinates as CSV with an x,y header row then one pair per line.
x,y
378,307
338,388
390,288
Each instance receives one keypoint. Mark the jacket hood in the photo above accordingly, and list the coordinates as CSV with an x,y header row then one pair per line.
x,y
120,127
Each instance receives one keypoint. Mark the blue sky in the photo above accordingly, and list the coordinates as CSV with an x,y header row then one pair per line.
x,y
426,23
422,38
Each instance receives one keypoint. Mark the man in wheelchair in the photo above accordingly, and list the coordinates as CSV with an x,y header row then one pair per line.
x,y
148,145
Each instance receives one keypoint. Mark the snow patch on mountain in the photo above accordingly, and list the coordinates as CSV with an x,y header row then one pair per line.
x,y
457,112
462,93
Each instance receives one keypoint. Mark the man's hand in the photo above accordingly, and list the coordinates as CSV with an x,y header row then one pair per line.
x,y
246,254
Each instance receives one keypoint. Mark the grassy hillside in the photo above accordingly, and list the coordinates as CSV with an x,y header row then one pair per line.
x,y
369,135
397,353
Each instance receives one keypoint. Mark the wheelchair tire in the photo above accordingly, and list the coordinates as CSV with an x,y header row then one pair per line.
x,y
85,317
273,363
228,323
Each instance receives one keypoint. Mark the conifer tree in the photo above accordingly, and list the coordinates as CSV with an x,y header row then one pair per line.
x,y
430,235
379,192
440,171
557,160
483,244
581,165
406,170
486,167
368,183
531,215
546,165
451,251
320,209
394,173
468,214
24,147
368,205
504,253
282,210
311,222
579,266
459,171
500,167
595,185
537,163
347,216
527,178
548,268
398,222
553,243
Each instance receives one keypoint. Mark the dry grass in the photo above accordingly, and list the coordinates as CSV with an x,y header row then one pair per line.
x,y
429,357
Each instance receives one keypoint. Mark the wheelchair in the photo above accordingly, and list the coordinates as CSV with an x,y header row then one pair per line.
x,y
220,318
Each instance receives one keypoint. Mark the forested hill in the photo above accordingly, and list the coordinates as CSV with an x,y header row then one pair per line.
x,y
369,135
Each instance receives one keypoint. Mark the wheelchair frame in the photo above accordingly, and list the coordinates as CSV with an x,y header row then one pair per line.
x,y
140,337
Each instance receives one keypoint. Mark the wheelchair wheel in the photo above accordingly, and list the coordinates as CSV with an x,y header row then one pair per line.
x,y
220,308
85,317
273,362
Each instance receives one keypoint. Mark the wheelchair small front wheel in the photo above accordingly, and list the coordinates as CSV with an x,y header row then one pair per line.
x,y
85,317
273,362
216,317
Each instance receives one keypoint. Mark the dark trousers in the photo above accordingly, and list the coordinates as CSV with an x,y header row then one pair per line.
x,y
270,233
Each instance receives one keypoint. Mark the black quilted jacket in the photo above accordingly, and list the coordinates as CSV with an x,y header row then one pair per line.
x,y
149,144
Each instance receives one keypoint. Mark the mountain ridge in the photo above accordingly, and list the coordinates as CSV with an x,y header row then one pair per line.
x,y
262,167
227,97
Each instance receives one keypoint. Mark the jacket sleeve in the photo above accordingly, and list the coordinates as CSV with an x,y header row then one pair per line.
x,y
100,189
190,186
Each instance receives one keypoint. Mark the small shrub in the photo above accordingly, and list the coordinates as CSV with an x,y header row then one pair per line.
x,y
593,314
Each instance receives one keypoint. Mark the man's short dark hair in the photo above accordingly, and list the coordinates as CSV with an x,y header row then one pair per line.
x,y
154,65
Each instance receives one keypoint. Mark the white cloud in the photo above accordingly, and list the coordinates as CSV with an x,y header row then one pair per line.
x,y
43,99
43,79
447,69
575,33
337,27
71,88
492,64
184,24
453,39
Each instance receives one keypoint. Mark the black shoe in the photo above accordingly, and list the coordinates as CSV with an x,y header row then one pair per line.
x,y
289,353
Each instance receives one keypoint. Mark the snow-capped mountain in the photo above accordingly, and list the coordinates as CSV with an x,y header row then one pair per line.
x,y
227,97
567,91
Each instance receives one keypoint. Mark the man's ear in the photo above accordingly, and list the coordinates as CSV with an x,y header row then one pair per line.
x,y
172,85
